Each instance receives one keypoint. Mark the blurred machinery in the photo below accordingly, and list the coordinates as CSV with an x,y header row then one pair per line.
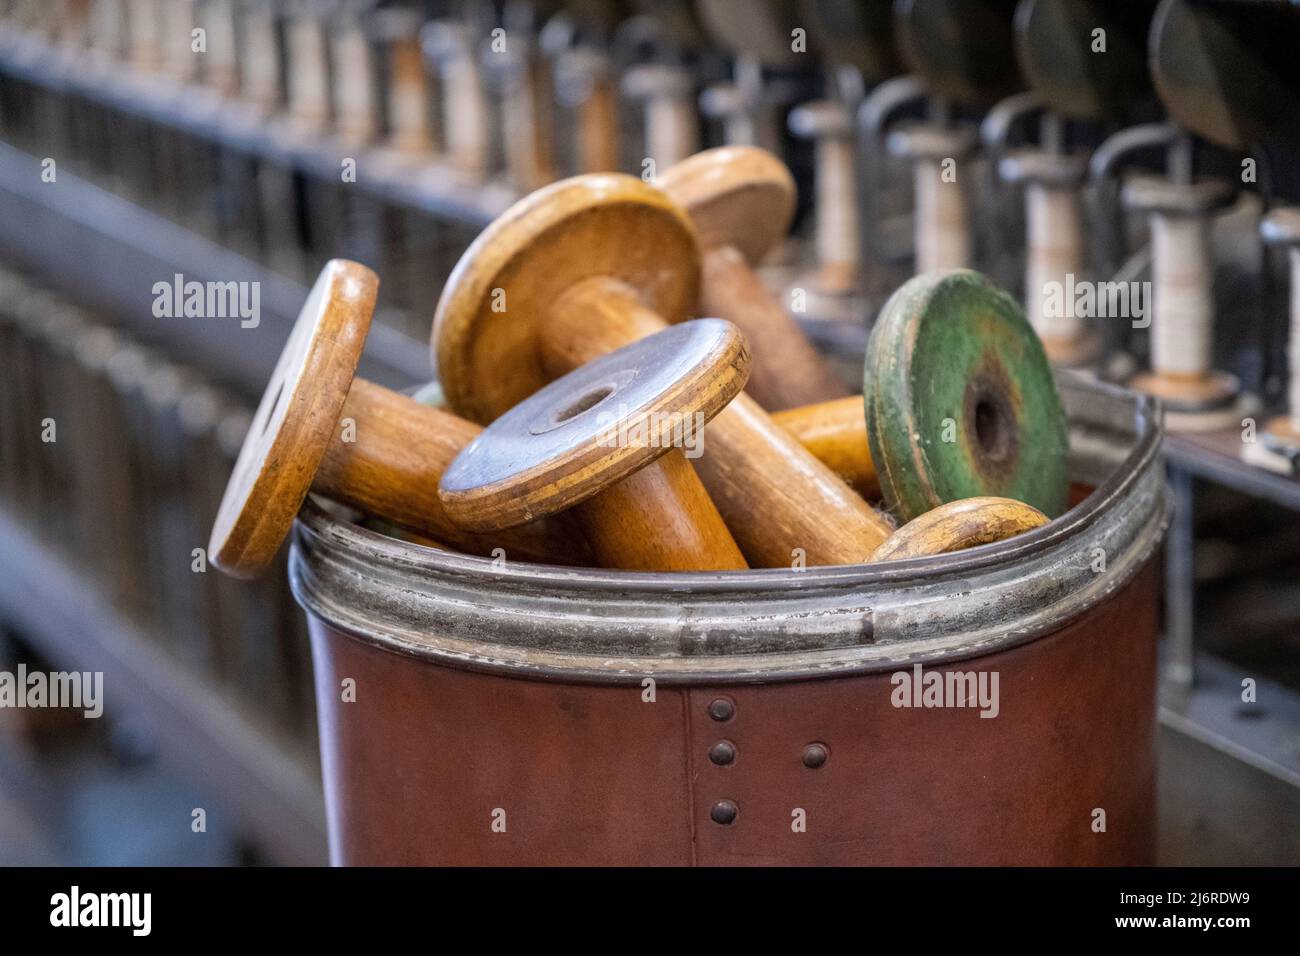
x,y
1075,150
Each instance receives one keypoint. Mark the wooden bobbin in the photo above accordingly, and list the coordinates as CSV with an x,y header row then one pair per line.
x,y
176,21
671,128
581,441
259,64
584,84
308,69
961,400
1182,324
836,432
726,103
744,106
410,102
741,200
70,29
107,30
1281,227
943,231
354,93
958,525
586,266
524,117
144,35
838,243
320,429
1055,243
221,63
465,111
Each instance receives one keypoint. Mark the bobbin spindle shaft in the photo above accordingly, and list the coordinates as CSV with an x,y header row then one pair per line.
x,y
389,461
1293,347
464,100
1054,227
788,371
686,530
671,128
408,97
259,78
308,73
836,433
221,63
775,496
942,223
354,93
837,236
659,519
1182,274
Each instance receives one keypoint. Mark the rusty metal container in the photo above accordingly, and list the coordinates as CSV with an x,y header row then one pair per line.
x,y
519,714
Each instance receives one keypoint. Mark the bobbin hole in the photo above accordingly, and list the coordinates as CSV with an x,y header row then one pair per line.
x,y
993,427
585,404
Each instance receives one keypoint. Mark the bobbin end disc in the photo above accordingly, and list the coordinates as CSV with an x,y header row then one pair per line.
x,y
596,425
295,420
960,399
485,329
958,525
739,196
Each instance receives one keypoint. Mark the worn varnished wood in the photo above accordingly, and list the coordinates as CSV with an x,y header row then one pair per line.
x,y
836,432
781,503
586,266
961,400
392,469
318,428
958,525
500,300
741,200
497,313
581,442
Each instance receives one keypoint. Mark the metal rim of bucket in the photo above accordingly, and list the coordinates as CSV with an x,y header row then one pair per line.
x,y
599,626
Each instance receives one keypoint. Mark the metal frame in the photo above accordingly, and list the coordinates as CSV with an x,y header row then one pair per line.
x,y
272,786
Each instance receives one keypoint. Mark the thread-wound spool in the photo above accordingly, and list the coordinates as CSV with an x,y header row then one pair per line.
x,y
408,97
146,43
527,153
354,87
597,122
942,226
1183,289
260,73
220,64
308,70
465,107
1054,223
106,28
176,21
671,132
1293,347
583,84
837,208
74,22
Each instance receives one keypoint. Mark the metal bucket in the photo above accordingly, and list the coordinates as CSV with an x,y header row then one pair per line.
x,y
518,714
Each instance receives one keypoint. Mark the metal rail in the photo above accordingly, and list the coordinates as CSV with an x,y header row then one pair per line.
x,y
271,786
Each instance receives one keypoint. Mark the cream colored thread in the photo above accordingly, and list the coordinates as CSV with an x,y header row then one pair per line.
x,y
1054,227
1183,286
942,231
837,206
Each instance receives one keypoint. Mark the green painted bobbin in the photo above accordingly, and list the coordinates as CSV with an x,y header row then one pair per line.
x,y
960,399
